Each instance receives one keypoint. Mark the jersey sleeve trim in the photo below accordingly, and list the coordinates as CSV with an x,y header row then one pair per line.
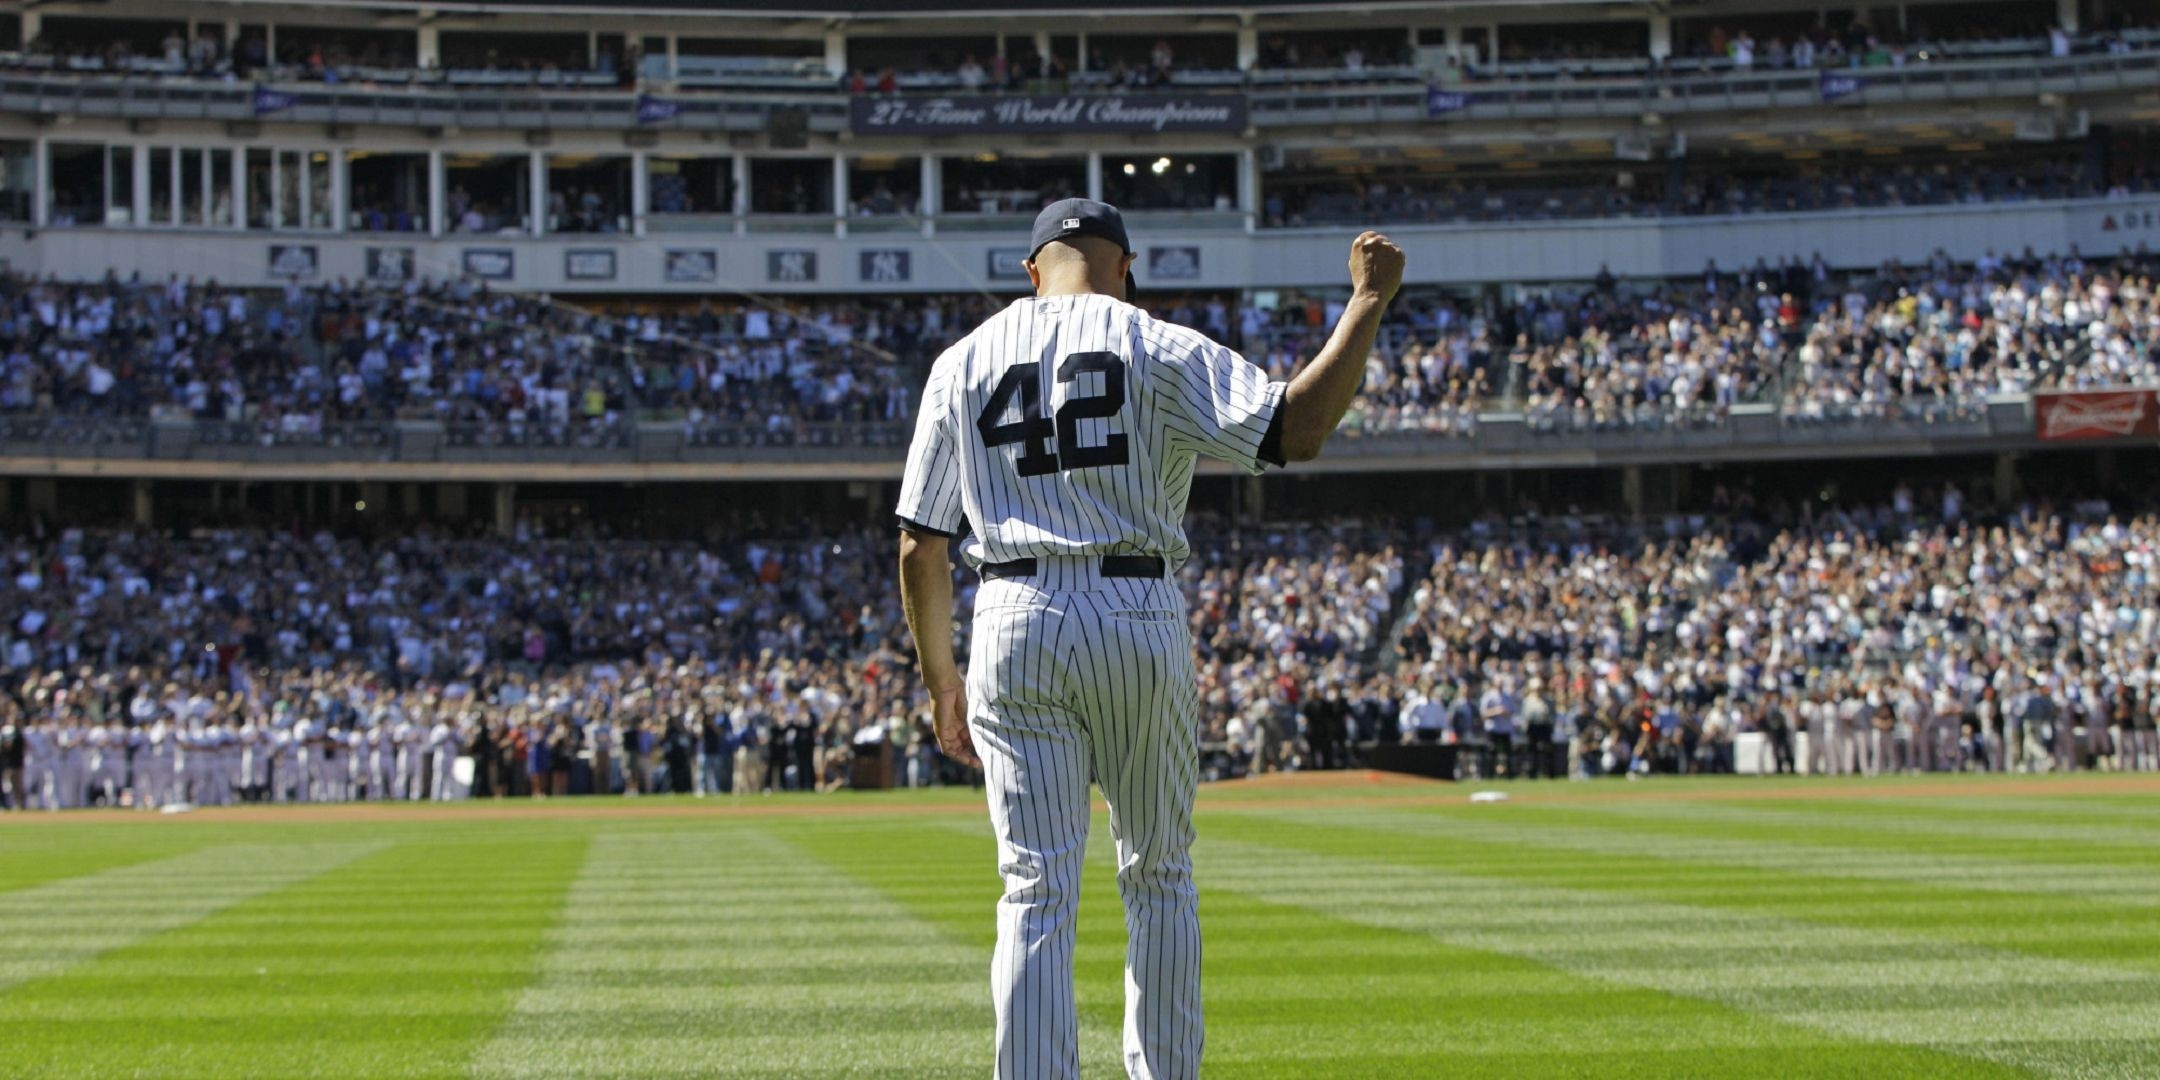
x,y
908,524
1270,451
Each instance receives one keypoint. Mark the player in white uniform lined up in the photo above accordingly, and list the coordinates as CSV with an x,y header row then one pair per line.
x,y
1064,432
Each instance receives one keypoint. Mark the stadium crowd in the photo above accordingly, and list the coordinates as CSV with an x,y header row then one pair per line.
x,y
1897,638
251,664
311,363
248,664
1382,200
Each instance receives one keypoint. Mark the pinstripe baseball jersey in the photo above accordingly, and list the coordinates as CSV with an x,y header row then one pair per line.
x,y
1069,425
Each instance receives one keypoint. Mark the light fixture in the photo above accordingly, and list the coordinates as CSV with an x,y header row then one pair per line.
x,y
1161,166
1129,170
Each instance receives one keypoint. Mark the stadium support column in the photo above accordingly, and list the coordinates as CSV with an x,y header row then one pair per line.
x,y
340,165
2066,13
839,194
740,167
437,203
427,41
41,182
1248,187
505,509
240,186
1631,491
1660,36
1248,43
1094,175
139,186
536,176
139,504
836,54
1253,507
33,24
932,195
640,197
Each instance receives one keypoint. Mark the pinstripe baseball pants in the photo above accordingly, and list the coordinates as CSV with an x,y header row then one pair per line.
x,y
1074,676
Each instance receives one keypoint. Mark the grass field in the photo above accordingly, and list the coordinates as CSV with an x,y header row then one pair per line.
x,y
1939,927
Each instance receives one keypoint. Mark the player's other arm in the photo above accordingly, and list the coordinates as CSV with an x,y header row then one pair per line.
x,y
930,512
926,597
1315,401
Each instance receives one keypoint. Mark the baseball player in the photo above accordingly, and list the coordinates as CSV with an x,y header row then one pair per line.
x,y
442,755
71,769
1063,433
108,762
41,756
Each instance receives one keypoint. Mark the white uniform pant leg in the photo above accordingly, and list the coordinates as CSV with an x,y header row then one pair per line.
x,y
1035,772
37,778
1140,702
73,778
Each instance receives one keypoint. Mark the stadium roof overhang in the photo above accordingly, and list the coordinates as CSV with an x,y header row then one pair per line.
x,y
841,12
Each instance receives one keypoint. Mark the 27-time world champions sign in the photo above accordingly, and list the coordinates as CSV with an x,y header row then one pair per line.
x,y
1047,114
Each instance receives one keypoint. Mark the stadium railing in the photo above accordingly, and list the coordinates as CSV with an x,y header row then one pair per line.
x,y
1497,439
528,107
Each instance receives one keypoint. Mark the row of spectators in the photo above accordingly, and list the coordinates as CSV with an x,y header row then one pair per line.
x,y
1526,51
247,664
1907,636
1924,341
1380,200
1919,342
182,667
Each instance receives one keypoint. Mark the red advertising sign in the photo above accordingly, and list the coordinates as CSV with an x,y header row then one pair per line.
x,y
2109,414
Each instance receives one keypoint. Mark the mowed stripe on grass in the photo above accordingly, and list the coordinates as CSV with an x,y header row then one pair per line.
x,y
393,964
47,929
2087,914
1572,911
1292,992
1817,848
724,950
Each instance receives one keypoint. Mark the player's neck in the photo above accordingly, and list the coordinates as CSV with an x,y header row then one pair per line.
x,y
1071,285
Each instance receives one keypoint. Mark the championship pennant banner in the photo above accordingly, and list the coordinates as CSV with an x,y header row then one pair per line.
x,y
2110,414
1065,114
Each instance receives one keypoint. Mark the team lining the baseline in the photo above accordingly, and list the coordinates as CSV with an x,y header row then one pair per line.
x,y
165,763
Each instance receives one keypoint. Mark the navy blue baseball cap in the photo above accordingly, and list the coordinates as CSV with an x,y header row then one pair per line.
x,y
1079,217
1083,217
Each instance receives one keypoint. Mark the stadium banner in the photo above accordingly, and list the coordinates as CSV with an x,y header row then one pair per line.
x,y
791,267
389,264
2133,219
652,110
490,264
1176,263
887,267
2107,414
588,264
268,101
692,266
1838,84
295,260
1439,102
1008,264
1161,114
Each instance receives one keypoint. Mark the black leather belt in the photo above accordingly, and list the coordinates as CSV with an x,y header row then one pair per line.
x,y
1113,566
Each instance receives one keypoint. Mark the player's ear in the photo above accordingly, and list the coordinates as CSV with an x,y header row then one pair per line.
x,y
1034,275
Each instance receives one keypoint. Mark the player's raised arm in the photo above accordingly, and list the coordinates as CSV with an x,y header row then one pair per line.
x,y
1314,402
